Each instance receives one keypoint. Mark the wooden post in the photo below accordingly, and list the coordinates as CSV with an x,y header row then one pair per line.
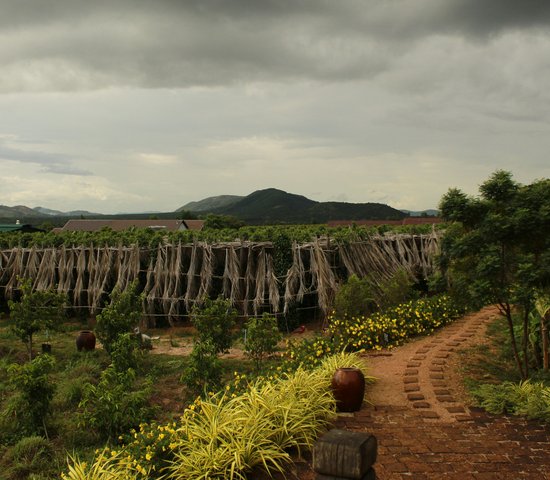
x,y
345,455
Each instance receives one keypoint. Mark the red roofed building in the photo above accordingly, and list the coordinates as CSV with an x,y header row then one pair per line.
x,y
169,225
375,223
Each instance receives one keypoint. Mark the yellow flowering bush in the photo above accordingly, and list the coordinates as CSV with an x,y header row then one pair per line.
x,y
148,448
394,325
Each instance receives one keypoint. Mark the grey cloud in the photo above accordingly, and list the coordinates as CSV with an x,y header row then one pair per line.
x,y
49,162
68,45
491,16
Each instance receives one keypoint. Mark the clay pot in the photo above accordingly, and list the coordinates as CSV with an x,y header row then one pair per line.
x,y
85,340
348,388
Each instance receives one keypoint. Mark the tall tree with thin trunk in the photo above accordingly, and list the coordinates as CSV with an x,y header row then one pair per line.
x,y
37,310
497,250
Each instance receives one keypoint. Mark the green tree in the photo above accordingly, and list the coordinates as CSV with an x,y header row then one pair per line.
x,y
218,222
204,370
214,320
34,392
119,402
262,336
37,310
355,298
119,317
497,249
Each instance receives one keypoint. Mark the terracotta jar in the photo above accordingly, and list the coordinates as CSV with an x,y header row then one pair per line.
x,y
348,388
85,340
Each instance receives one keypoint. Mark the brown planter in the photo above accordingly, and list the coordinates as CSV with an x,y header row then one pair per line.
x,y
85,340
348,388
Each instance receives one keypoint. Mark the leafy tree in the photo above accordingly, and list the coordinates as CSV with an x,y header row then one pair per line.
x,y
498,249
218,222
186,215
214,320
34,392
119,317
355,298
37,310
117,403
262,336
126,352
204,369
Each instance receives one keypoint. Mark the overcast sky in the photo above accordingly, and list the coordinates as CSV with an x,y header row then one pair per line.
x,y
128,105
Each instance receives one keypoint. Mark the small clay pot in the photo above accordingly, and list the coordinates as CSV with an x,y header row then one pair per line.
x,y
46,348
85,340
348,388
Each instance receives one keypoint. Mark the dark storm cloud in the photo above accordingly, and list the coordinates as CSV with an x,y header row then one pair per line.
x,y
70,45
490,16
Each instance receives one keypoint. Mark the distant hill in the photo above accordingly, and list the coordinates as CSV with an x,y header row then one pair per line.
x,y
58,213
276,206
19,212
262,207
211,203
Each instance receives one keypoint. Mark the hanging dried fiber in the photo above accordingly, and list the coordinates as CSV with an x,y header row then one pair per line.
x,y
324,279
191,290
46,277
102,281
65,271
206,271
81,278
249,279
15,267
260,281
273,284
156,284
231,276
32,263
295,279
173,291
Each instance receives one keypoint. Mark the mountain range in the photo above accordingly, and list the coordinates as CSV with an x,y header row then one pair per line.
x,y
276,206
268,206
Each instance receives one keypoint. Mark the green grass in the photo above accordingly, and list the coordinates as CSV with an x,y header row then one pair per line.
x,y
491,362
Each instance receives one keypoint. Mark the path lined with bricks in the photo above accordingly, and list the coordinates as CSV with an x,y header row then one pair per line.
x,y
424,430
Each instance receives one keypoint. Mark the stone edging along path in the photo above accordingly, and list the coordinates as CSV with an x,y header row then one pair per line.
x,y
423,426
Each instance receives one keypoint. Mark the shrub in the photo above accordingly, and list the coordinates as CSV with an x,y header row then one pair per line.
x,y
116,404
108,465
126,353
119,317
530,399
150,447
36,311
204,370
226,436
31,455
34,391
262,336
393,326
355,298
214,320
395,290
